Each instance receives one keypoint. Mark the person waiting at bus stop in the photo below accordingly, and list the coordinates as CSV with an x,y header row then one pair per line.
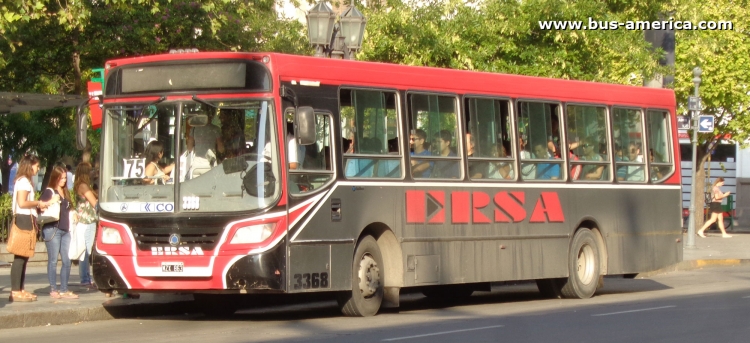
x,y
717,213
418,141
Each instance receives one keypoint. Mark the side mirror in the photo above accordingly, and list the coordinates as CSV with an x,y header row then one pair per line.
x,y
305,120
198,120
82,126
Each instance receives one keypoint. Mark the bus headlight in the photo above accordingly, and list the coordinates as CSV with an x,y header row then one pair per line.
x,y
111,236
253,234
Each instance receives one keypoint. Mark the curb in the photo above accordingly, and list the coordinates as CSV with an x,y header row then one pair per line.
x,y
695,264
18,319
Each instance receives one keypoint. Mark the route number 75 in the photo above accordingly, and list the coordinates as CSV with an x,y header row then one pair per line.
x,y
134,168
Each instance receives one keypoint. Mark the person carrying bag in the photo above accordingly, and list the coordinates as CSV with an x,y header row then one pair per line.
x,y
22,239
57,235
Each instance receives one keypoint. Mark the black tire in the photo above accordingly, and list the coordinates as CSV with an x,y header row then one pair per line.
x,y
367,281
550,288
448,291
216,305
583,266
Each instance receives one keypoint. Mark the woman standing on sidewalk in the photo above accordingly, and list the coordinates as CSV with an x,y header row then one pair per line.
x,y
57,235
24,211
715,208
86,200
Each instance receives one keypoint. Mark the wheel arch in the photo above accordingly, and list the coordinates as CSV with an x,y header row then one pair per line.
x,y
390,249
591,224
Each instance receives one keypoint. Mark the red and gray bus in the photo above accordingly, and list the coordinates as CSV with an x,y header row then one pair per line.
x,y
231,174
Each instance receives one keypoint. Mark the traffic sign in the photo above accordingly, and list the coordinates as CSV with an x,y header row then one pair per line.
x,y
706,124
683,122
694,103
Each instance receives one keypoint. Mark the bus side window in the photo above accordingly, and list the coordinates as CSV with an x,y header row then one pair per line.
x,y
488,139
540,141
659,150
314,169
369,131
628,135
588,142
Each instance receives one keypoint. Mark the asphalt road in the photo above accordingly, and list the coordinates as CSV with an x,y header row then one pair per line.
x,y
710,305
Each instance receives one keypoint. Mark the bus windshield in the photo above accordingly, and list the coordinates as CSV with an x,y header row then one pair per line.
x,y
220,154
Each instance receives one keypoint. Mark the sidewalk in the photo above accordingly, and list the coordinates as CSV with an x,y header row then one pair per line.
x,y
93,305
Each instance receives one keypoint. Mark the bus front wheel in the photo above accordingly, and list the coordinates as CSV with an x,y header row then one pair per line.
x,y
583,266
367,281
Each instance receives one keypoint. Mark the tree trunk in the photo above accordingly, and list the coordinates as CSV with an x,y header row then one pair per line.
x,y
48,171
5,169
80,89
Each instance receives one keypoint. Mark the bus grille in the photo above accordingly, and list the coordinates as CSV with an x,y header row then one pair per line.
x,y
148,238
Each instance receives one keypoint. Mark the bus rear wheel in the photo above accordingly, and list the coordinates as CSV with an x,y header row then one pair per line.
x,y
367,281
583,266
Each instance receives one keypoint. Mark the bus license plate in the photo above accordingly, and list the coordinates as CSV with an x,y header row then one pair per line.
x,y
172,267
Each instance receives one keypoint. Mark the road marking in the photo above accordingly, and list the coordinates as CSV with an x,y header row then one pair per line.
x,y
441,333
747,297
631,311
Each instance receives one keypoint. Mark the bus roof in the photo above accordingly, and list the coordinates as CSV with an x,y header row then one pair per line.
x,y
386,75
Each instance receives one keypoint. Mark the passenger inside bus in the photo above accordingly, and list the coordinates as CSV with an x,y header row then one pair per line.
x,y
477,170
634,173
419,147
500,170
208,145
444,169
545,171
155,172
591,172
528,170
232,140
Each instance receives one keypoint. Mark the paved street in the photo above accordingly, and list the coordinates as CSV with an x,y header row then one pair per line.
x,y
688,306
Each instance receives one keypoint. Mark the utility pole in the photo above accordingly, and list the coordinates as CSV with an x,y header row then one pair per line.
x,y
694,105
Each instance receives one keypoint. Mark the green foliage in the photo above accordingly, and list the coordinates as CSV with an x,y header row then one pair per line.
x,y
504,36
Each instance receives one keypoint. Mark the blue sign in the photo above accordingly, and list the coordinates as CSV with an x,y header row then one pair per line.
x,y
706,124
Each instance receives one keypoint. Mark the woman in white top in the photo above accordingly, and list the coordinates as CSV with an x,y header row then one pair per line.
x,y
154,153
24,208
717,214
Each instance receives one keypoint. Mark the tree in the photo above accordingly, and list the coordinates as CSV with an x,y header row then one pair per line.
x,y
505,36
49,47
724,56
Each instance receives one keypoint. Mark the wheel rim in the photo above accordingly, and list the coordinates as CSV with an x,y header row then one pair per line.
x,y
369,276
586,264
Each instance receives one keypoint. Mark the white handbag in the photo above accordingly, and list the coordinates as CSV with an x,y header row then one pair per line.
x,y
50,214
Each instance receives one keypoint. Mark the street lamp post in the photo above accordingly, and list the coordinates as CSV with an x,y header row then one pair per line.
x,y
695,107
333,39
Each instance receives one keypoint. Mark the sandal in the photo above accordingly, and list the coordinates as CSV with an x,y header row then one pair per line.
x,y
68,295
32,295
19,296
55,295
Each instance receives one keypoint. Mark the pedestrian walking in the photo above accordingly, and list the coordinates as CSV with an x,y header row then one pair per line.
x,y
87,218
24,213
717,214
57,235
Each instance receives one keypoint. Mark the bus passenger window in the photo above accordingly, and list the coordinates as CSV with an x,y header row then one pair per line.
x,y
435,139
539,142
313,170
488,139
588,147
627,125
369,131
659,149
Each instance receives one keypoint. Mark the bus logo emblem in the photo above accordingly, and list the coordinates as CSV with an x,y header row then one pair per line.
x,y
478,207
174,239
